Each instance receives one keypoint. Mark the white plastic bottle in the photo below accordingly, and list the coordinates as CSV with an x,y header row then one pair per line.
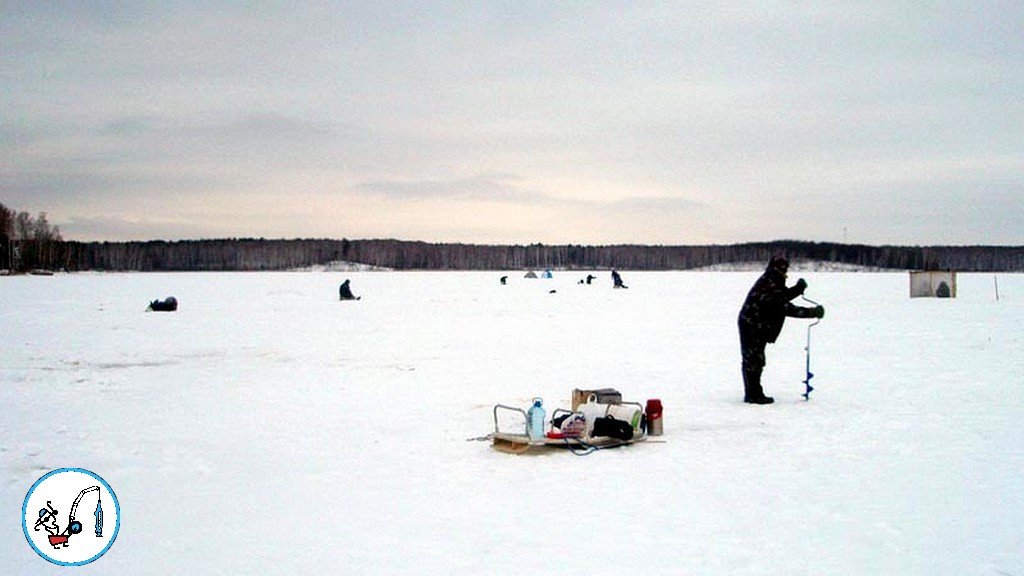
x,y
535,420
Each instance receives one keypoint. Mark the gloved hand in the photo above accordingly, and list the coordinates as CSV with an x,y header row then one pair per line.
x,y
819,312
800,286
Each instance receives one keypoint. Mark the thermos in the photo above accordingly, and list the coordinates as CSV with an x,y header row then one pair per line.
x,y
535,420
655,423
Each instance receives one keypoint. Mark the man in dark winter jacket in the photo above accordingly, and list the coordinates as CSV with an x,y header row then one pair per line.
x,y
345,293
760,322
617,280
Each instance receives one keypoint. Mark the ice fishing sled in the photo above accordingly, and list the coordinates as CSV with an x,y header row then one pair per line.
x,y
602,421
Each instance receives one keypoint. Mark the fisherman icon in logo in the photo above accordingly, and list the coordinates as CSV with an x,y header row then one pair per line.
x,y
71,516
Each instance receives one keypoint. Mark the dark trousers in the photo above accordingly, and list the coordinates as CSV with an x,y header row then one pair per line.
x,y
752,347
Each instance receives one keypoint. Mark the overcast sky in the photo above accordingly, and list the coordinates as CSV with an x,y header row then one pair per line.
x,y
517,122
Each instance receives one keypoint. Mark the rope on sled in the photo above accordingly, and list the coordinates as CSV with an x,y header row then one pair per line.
x,y
581,448
588,448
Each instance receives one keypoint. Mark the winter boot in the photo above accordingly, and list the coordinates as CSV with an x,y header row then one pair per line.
x,y
752,391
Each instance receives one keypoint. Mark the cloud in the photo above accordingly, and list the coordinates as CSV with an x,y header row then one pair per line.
x,y
481,188
654,205
144,155
112,228
685,115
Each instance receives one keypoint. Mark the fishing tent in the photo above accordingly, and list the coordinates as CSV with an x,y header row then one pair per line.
x,y
932,283
530,274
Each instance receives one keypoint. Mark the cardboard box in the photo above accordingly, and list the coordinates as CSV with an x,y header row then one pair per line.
x,y
603,395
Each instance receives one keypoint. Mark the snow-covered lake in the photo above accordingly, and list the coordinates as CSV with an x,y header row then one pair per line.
x,y
267,428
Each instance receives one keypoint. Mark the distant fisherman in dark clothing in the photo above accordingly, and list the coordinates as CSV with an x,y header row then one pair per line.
x,y
617,280
345,293
170,304
760,322
504,279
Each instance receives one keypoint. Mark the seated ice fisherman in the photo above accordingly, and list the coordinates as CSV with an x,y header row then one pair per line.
x,y
170,304
345,293
617,280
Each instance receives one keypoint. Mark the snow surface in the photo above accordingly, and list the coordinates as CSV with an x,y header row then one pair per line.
x,y
266,428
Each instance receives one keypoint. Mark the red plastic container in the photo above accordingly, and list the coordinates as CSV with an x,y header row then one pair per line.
x,y
655,422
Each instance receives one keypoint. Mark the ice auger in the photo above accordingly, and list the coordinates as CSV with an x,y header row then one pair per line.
x,y
807,348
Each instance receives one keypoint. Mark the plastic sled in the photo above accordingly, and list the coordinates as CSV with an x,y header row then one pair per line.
x,y
520,442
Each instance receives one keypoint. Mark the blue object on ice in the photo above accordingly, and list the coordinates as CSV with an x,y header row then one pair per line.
x,y
807,382
535,420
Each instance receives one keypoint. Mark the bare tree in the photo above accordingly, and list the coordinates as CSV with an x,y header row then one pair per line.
x,y
6,233
6,222
23,226
41,231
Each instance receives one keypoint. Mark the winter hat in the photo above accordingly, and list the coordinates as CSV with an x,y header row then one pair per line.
x,y
779,263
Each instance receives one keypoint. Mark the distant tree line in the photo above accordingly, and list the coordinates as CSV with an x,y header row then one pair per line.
x,y
28,242
262,254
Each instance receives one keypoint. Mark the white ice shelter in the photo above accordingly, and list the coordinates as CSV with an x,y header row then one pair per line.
x,y
932,283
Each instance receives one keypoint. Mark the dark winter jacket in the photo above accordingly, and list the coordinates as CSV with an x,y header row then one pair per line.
x,y
344,292
768,303
617,280
170,304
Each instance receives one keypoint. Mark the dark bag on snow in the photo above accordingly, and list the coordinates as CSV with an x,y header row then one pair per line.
x,y
608,426
168,305
557,421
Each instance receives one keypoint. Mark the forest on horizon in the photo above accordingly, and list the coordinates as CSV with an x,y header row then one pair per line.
x,y
30,243
21,255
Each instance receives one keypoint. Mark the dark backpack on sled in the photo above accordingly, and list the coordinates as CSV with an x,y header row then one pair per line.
x,y
608,426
